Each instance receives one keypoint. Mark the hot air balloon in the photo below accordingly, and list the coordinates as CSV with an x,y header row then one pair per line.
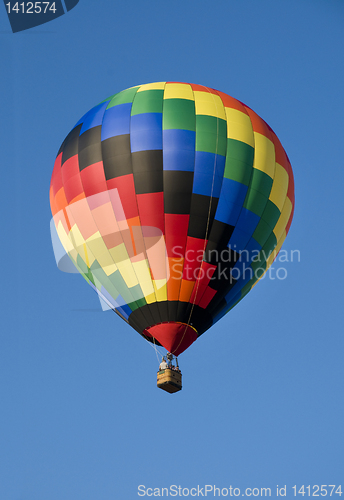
x,y
172,200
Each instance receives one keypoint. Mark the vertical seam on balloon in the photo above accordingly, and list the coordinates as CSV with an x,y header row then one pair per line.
x,y
90,252
120,231
138,211
197,282
166,262
186,243
224,108
250,182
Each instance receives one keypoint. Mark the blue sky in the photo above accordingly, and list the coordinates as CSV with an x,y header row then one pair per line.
x,y
262,402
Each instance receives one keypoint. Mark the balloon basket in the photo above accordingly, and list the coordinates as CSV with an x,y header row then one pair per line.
x,y
169,380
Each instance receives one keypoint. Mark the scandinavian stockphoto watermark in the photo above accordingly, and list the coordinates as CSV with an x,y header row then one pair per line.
x,y
26,15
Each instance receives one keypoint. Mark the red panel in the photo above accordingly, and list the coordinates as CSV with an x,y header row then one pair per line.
x,y
56,178
207,297
93,179
175,337
202,88
126,191
151,210
70,168
290,220
73,187
176,228
193,258
230,102
204,276
258,124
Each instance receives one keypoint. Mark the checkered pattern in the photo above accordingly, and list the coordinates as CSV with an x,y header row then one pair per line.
x,y
152,186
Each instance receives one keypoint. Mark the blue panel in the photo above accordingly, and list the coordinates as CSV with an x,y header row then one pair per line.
x,y
206,185
125,311
179,160
234,191
204,173
179,139
253,248
239,239
204,162
243,280
227,212
93,118
247,221
146,132
116,121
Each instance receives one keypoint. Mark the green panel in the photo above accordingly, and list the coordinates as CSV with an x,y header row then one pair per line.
x,y
137,293
262,232
211,134
81,265
271,214
178,114
240,151
247,287
136,305
108,99
120,285
269,245
255,201
123,97
238,171
261,182
148,101
258,267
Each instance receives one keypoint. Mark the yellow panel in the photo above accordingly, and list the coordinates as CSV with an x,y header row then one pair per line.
x,y
97,247
109,269
209,104
119,253
128,274
79,244
150,298
178,91
264,154
160,289
283,220
239,126
66,242
143,275
152,86
279,187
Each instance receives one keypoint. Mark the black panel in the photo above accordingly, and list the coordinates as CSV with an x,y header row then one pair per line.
x,y
199,214
90,150
116,146
197,227
117,156
148,182
217,306
176,203
71,144
154,311
200,206
163,311
147,161
220,233
177,191
177,312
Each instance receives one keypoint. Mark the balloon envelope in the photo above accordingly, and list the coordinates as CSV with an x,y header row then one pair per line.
x,y
172,200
